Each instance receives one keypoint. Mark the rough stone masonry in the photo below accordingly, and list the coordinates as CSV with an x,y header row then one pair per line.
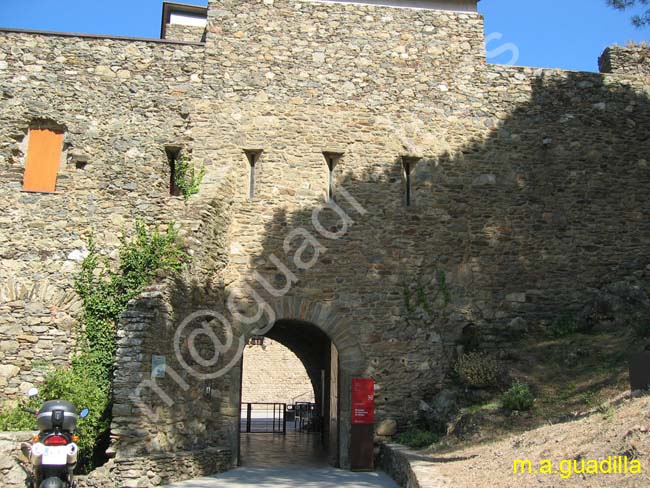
x,y
526,188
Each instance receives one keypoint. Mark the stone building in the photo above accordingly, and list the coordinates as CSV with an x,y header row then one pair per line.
x,y
358,155
273,374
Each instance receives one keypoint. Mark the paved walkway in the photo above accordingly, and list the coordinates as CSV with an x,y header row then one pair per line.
x,y
291,461
288,477
277,450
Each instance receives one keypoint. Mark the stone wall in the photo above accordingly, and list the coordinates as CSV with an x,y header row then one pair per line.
x,y
159,469
398,462
12,467
186,33
526,195
459,5
183,424
273,374
354,77
341,56
120,103
529,190
154,415
630,60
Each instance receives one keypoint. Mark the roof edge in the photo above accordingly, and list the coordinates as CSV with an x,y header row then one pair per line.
x,y
10,30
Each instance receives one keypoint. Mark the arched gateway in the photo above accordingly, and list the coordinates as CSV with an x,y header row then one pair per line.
x,y
329,349
177,386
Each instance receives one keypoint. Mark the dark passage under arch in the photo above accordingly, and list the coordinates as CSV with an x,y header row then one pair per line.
x,y
319,356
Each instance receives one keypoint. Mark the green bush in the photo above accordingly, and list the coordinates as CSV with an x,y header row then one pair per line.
x,y
477,370
427,298
186,177
105,292
417,438
565,325
83,391
642,329
15,419
518,397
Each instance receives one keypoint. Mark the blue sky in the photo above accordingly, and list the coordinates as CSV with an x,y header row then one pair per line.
x,y
567,34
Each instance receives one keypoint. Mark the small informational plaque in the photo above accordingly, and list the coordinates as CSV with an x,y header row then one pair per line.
x,y
158,364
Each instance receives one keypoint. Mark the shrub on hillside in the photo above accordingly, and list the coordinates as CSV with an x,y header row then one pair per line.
x,y
642,329
477,370
565,325
417,438
518,397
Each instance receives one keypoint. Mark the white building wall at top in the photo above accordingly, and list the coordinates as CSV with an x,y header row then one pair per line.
x,y
183,18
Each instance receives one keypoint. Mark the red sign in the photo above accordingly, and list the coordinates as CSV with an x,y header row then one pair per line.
x,y
363,401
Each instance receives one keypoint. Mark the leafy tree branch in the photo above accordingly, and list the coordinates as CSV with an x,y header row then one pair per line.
x,y
639,20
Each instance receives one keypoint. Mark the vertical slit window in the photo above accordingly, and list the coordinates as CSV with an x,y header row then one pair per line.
x,y
253,156
43,159
173,153
330,187
251,178
331,158
408,163
407,176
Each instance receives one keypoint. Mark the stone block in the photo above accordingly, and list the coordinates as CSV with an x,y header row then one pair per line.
x,y
387,427
8,371
516,297
9,346
485,180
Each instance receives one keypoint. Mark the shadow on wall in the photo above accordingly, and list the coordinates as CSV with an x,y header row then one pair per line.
x,y
552,204
522,224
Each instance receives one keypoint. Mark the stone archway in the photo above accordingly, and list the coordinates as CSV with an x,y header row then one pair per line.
x,y
327,318
344,336
191,422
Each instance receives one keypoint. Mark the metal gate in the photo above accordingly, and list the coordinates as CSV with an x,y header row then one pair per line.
x,y
305,419
263,418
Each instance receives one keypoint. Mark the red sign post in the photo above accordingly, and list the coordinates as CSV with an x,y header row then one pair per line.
x,y
363,401
363,419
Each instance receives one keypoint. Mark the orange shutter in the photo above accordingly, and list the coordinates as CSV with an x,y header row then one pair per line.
x,y
43,159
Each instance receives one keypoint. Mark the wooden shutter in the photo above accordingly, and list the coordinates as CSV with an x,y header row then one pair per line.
x,y
43,159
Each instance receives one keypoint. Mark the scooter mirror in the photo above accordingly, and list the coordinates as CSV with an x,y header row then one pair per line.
x,y
84,413
32,392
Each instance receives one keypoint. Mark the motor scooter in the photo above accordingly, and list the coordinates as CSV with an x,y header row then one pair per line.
x,y
53,451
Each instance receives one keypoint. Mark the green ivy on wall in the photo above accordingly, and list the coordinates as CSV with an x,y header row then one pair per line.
x,y
105,292
420,296
186,176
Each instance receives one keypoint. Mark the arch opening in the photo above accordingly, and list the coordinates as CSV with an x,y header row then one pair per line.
x,y
272,373
298,356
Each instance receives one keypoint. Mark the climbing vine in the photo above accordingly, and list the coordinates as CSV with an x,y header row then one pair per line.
x,y
426,298
105,291
186,176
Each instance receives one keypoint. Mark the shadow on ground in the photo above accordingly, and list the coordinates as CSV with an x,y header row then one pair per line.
x,y
291,477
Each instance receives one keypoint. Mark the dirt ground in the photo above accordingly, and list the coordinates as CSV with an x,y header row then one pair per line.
x,y
621,428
